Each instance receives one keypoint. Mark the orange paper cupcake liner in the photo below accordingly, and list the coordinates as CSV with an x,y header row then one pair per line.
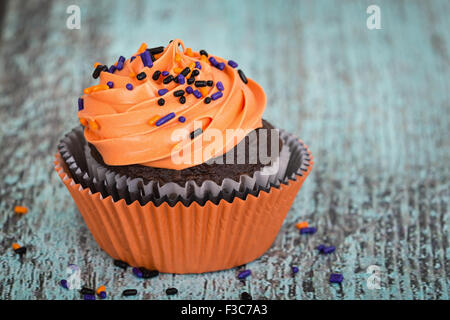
x,y
185,239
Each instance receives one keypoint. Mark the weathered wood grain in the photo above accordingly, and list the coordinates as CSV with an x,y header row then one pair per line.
x,y
372,105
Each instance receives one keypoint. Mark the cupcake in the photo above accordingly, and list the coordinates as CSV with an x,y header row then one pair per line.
x,y
173,167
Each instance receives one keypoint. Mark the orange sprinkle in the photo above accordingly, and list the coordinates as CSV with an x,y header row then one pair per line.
x,y
142,48
132,75
96,64
204,91
192,66
189,52
177,58
101,289
83,122
302,225
15,246
87,90
100,87
177,70
20,209
153,120
204,58
93,125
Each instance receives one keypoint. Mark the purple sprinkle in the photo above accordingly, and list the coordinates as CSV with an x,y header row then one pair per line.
x,y
162,92
310,230
198,65
129,86
197,94
181,79
217,95
328,250
121,59
165,73
112,69
110,84
146,59
119,65
64,284
189,89
137,272
80,104
213,61
182,119
132,58
244,274
336,278
321,247
220,66
164,119
294,269
89,297
102,295
232,64
219,86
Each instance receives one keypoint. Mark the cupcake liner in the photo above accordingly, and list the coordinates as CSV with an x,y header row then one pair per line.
x,y
89,173
187,236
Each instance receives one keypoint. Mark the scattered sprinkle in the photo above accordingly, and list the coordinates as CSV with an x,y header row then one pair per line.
x,y
182,119
147,274
232,64
209,83
203,53
168,79
207,100
294,270
80,104
165,119
112,69
185,71
181,79
161,102
156,50
189,89
165,73
20,209
177,70
121,264
198,65
242,75
336,278
146,59
321,247
120,63
110,84
328,250
195,73
137,272
99,69
171,291
162,92
302,224
102,295
309,230
213,61
197,94
88,291
129,292
64,284
244,274
182,99
246,296
220,66
190,80
129,86
178,93
15,246
89,297
153,120
132,58
200,83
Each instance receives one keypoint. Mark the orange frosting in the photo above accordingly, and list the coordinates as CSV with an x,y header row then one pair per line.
x,y
121,123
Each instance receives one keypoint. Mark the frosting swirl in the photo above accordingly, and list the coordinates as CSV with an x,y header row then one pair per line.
x,y
122,115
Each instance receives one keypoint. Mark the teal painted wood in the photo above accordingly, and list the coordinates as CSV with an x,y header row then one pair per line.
x,y
372,105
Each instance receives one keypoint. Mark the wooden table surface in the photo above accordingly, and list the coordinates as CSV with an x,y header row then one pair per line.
x,y
373,105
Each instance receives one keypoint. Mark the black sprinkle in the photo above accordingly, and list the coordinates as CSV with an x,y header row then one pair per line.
x,y
170,41
152,57
141,76
156,50
21,250
168,79
207,100
196,133
147,274
246,296
191,80
243,77
200,83
121,264
209,83
175,79
99,69
171,291
86,290
195,72
203,53
185,71
182,99
156,75
178,93
161,102
129,292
